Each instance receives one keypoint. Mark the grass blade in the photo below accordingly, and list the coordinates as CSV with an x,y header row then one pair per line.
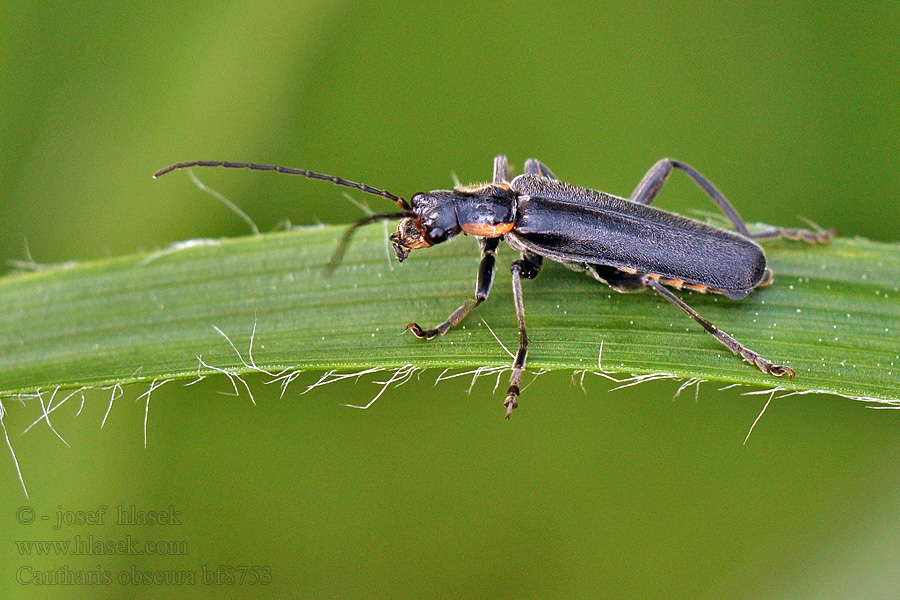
x,y
833,315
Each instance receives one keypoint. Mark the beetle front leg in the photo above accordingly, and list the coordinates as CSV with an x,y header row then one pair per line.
x,y
482,291
501,169
752,357
528,267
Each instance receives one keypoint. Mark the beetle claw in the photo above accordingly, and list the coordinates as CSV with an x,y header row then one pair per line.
x,y
781,370
427,334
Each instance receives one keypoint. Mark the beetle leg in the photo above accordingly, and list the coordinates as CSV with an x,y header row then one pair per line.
x,y
764,365
648,188
501,169
482,291
536,167
624,283
528,267
813,237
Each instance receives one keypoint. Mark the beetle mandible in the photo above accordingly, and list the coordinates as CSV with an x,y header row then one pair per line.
x,y
625,243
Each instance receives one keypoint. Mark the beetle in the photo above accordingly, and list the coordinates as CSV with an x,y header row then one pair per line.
x,y
625,243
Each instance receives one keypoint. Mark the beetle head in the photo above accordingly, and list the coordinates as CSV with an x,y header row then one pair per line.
x,y
435,221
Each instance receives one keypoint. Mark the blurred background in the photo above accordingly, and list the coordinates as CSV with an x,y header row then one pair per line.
x,y
791,109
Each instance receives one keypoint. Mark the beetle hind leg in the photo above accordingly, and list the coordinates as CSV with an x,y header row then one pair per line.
x,y
820,236
751,356
649,187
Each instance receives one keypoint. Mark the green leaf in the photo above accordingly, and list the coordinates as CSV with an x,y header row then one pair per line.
x,y
833,315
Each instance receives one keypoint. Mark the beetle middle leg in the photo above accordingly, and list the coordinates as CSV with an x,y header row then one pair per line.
x,y
482,291
528,267
535,167
752,357
647,190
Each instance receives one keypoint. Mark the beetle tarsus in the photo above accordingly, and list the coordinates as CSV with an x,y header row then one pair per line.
x,y
772,369
763,364
427,334
512,401
821,236
458,315
781,370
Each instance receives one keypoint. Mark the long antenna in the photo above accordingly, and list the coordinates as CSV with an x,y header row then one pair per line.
x,y
287,171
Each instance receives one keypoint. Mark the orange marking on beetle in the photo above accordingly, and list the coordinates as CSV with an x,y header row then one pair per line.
x,y
483,230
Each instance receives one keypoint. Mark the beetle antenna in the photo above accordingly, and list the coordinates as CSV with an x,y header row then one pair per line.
x,y
345,241
287,171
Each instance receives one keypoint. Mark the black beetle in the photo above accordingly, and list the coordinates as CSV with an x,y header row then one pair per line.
x,y
625,243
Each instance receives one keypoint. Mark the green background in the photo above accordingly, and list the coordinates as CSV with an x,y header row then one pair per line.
x,y
790,109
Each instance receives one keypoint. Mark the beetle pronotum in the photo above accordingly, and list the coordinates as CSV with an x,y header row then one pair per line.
x,y
625,243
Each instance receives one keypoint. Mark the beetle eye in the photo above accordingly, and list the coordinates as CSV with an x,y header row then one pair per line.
x,y
436,235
